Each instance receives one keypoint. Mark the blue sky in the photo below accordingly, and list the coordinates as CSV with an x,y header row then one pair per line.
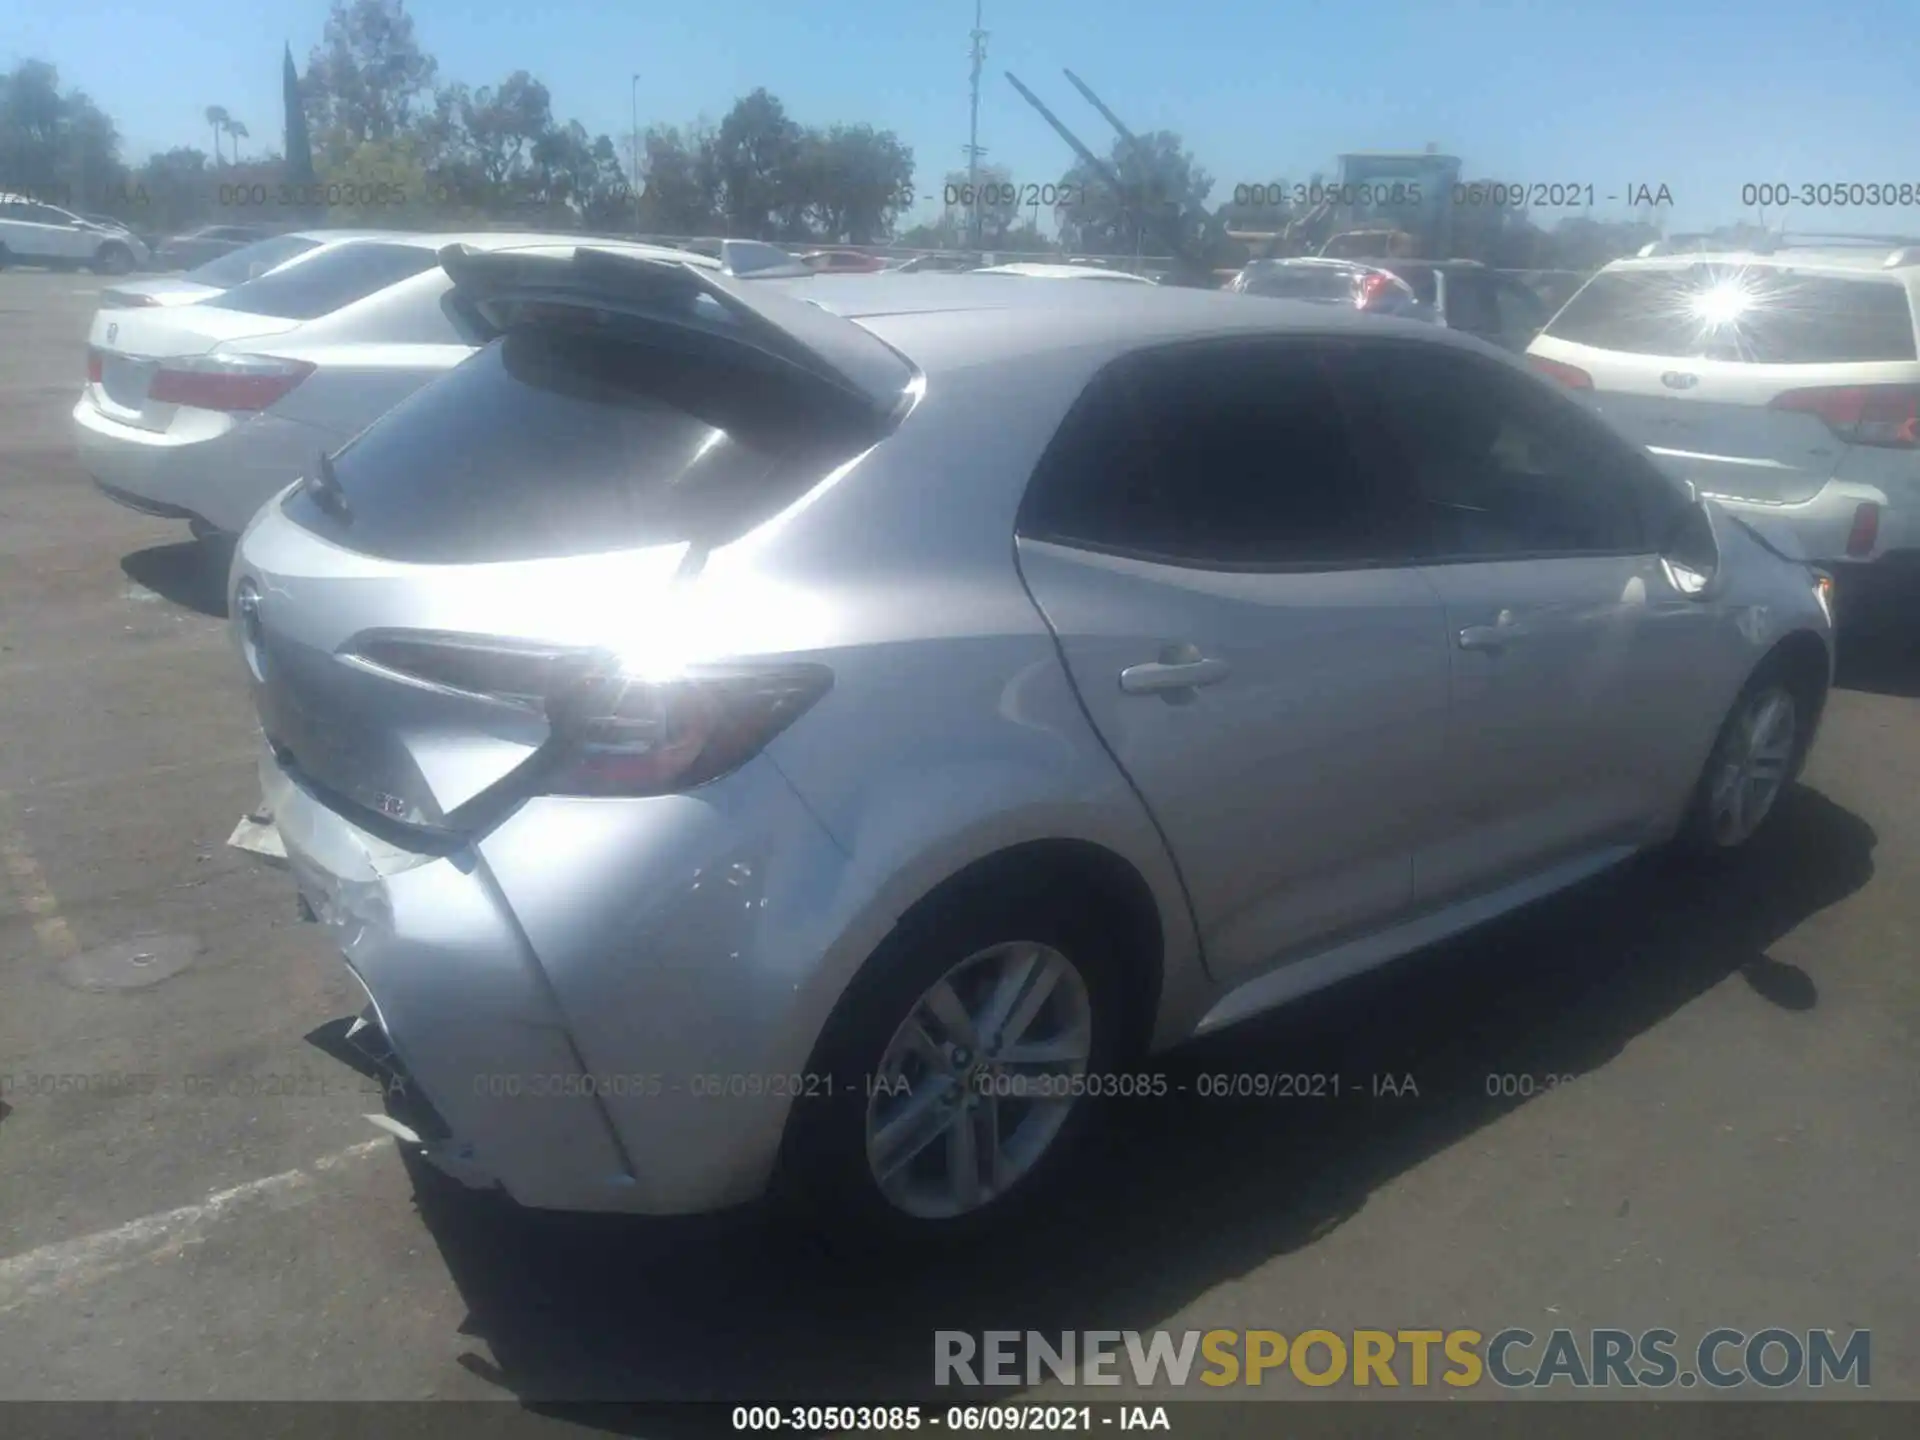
x,y
1702,97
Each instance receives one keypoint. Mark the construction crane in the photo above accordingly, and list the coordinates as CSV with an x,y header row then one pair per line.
x,y
1161,216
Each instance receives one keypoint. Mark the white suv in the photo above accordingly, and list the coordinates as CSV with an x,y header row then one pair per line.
x,y
35,234
1784,382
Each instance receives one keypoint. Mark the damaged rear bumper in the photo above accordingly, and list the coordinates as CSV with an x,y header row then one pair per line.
x,y
484,1076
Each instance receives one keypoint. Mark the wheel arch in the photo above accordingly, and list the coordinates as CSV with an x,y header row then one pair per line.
x,y
1806,663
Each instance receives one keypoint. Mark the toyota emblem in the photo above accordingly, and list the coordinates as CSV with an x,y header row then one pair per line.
x,y
1679,380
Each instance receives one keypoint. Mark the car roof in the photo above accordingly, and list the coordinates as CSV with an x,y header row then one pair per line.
x,y
949,321
1848,260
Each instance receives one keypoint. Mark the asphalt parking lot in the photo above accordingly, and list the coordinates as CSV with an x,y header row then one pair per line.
x,y
1738,1143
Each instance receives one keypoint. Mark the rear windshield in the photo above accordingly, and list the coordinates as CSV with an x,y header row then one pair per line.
x,y
240,265
1299,282
553,443
1765,315
323,284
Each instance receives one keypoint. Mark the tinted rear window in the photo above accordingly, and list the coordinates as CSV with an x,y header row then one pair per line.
x,y
550,443
1299,282
323,284
1766,315
234,269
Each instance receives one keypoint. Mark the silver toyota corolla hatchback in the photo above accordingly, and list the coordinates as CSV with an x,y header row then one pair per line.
x,y
810,738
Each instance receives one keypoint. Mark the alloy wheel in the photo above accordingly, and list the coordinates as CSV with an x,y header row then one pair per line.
x,y
978,1080
1751,768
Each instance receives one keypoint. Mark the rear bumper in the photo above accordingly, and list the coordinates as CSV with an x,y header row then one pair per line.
x,y
603,1003
220,478
1824,525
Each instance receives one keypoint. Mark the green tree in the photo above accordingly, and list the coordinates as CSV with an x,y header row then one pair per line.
x,y
217,119
366,77
58,144
756,154
1160,181
387,180
680,171
854,178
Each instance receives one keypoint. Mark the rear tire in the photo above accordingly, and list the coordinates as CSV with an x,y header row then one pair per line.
x,y
112,258
1755,757
872,1165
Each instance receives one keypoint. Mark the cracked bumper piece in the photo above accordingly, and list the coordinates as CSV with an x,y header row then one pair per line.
x,y
608,1002
464,1006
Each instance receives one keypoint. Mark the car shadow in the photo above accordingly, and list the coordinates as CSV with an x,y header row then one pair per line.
x,y
189,573
1879,660
1176,1195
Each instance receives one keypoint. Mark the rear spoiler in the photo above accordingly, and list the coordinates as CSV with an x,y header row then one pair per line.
x,y
695,301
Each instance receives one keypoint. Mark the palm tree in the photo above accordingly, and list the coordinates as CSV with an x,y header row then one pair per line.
x,y
218,119
238,131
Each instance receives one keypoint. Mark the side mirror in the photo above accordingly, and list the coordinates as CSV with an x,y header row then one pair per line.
x,y
1691,555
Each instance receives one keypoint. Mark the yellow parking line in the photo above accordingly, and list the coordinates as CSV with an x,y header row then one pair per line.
x,y
30,883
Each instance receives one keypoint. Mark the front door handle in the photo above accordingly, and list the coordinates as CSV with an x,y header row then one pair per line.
x,y
1185,671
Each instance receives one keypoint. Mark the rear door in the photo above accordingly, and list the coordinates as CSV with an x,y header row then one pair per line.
x,y
1718,368
1578,702
1236,606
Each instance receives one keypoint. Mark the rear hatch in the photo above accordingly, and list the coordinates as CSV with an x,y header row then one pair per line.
x,y
424,614
1753,380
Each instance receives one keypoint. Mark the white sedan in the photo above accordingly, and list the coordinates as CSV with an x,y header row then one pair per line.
x,y
203,412
221,274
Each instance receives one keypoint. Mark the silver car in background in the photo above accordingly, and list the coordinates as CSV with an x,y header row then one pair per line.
x,y
808,738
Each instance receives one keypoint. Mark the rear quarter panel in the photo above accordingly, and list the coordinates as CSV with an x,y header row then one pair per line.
x,y
952,731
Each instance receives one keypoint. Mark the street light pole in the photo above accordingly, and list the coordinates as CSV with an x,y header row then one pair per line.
x,y
634,95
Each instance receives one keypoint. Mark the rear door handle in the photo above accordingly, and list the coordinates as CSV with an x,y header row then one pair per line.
x,y
1172,675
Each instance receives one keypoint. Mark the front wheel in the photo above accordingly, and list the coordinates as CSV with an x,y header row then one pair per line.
x,y
963,1066
1755,757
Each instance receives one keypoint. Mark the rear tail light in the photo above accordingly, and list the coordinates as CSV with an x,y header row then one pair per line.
x,y
1865,532
1379,292
1571,376
612,733
616,735
1882,415
96,365
227,382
